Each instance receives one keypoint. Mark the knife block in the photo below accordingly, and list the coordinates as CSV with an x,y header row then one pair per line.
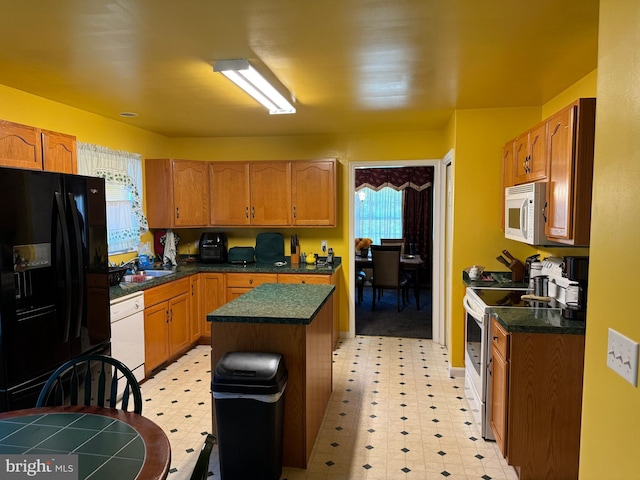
x,y
295,256
517,271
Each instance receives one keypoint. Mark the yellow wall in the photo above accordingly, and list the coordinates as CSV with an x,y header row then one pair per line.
x,y
21,107
477,181
611,406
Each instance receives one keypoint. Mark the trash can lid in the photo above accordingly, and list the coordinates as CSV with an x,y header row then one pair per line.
x,y
250,372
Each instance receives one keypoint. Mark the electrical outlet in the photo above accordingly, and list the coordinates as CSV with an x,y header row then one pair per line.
x,y
323,246
622,356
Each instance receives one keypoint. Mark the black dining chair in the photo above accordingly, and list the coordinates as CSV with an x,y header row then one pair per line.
x,y
201,470
91,380
394,241
387,273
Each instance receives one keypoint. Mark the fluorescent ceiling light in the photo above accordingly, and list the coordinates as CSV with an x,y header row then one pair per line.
x,y
240,72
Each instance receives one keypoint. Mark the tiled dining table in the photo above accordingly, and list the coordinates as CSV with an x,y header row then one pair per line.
x,y
110,444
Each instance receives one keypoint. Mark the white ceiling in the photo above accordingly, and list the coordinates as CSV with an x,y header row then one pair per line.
x,y
354,66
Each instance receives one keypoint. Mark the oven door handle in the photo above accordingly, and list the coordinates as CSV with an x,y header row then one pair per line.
x,y
478,316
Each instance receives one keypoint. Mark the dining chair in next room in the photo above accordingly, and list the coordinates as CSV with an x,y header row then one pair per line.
x,y
387,273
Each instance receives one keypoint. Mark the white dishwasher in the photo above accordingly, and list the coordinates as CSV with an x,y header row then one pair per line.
x,y
127,333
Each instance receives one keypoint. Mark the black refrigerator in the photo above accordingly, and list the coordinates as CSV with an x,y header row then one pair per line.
x,y
54,277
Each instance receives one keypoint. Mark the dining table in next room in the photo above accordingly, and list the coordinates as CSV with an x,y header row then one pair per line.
x,y
411,263
110,444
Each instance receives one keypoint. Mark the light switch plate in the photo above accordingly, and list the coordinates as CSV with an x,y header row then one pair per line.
x,y
323,246
622,356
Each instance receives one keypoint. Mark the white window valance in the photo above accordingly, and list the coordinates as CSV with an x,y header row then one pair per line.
x,y
122,172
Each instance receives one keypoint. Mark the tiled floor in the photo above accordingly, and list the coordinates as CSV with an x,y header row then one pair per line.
x,y
395,413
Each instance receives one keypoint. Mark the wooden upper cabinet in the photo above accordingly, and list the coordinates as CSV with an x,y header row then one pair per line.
x,y
23,146
508,174
230,195
59,153
570,146
530,155
240,194
190,193
177,193
270,193
20,146
313,193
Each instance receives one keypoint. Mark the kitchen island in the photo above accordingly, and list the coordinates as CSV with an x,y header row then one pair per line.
x,y
296,321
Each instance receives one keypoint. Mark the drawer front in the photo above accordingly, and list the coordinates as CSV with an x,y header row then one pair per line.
x,y
499,339
305,279
250,280
164,292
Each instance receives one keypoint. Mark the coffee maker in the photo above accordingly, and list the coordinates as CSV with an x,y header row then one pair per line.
x,y
576,271
213,247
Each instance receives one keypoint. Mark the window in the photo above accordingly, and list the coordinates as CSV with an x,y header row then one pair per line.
x,y
122,172
378,214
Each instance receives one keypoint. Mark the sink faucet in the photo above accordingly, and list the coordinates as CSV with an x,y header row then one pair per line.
x,y
134,264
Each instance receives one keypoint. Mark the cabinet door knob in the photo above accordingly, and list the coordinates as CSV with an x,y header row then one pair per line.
x,y
246,212
294,211
251,281
253,212
495,339
177,212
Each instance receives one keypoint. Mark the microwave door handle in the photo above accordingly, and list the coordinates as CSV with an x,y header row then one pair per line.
x,y
524,215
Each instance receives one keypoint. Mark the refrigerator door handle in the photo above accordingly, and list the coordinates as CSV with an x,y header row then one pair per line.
x,y
66,296
78,264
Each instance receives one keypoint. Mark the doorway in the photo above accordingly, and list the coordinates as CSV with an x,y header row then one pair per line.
x,y
436,275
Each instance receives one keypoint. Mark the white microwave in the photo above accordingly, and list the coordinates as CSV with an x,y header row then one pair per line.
x,y
524,213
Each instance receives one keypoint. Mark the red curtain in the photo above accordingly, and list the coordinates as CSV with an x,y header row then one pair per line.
x,y
417,224
417,178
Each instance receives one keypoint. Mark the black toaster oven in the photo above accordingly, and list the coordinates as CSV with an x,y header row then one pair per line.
x,y
213,247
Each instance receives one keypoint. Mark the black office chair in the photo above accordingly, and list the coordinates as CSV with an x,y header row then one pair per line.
x,y
201,469
387,273
91,380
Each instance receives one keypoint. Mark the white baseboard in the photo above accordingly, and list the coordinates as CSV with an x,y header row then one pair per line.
x,y
456,372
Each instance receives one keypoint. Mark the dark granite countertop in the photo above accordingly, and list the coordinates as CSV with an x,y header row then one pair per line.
x,y
537,320
523,319
492,280
296,304
187,269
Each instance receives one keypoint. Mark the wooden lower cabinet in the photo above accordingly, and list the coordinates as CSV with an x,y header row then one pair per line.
x,y
536,400
212,296
319,279
166,323
239,283
176,313
499,385
195,315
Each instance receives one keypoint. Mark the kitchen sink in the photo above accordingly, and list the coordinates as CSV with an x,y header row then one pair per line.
x,y
146,276
158,273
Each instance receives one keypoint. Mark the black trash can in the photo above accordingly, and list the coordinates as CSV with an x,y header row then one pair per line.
x,y
248,390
